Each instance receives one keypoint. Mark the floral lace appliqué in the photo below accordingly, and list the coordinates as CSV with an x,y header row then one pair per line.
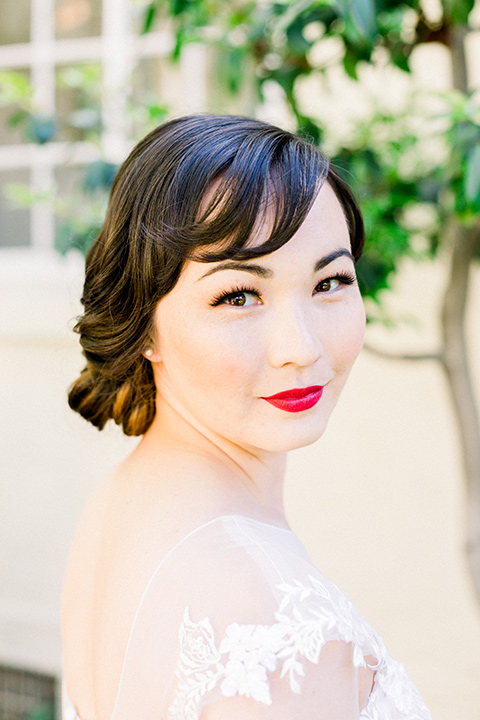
x,y
308,617
395,696
199,667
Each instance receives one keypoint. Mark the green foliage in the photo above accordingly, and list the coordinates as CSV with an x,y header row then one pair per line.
x,y
472,175
400,176
387,155
362,14
373,169
40,128
16,94
21,195
15,89
463,135
99,176
81,216
81,84
458,11
394,178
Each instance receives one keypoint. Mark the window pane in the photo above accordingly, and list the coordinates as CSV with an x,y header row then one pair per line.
x,y
155,86
14,220
68,182
15,21
78,18
14,124
78,101
139,12
82,196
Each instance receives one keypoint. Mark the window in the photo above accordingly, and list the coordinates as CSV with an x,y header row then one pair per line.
x,y
86,65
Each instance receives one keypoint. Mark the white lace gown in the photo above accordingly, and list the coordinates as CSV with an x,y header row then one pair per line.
x,y
236,609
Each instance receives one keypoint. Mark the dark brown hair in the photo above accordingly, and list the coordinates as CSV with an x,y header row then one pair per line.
x,y
159,215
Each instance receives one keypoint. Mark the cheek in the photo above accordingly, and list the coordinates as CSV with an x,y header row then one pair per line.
x,y
207,356
358,330
350,335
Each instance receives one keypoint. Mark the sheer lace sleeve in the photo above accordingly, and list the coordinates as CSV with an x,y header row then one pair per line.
x,y
237,623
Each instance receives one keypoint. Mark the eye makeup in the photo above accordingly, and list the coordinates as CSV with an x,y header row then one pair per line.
x,y
231,294
343,278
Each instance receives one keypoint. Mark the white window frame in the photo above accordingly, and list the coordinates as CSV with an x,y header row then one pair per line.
x,y
118,49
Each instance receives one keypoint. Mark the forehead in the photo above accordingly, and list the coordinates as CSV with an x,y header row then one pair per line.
x,y
324,230
272,206
326,217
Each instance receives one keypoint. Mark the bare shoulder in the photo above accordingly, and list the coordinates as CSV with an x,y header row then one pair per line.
x,y
134,516
180,490
145,505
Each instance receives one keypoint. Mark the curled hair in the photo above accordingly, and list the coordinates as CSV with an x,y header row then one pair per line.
x,y
197,187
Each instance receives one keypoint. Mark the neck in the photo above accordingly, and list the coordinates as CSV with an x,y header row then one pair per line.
x,y
259,473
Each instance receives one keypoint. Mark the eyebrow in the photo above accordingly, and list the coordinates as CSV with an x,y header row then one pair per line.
x,y
264,272
342,252
258,270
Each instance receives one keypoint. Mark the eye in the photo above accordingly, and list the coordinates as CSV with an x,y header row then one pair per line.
x,y
328,285
242,297
331,284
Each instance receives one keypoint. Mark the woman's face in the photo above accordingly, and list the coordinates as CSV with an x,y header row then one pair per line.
x,y
232,334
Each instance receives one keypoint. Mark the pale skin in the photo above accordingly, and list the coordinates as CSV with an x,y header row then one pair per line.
x,y
227,336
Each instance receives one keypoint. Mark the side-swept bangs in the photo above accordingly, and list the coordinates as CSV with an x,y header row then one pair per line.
x,y
224,178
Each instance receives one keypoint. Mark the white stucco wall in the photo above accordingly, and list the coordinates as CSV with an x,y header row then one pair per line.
x,y
378,501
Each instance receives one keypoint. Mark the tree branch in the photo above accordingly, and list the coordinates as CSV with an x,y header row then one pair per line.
x,y
410,357
465,242
459,60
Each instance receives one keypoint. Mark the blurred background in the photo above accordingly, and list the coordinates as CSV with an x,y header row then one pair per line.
x,y
388,502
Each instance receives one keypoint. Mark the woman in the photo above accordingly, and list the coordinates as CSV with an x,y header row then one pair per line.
x,y
222,317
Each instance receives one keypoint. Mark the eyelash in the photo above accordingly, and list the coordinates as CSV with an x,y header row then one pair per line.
x,y
345,278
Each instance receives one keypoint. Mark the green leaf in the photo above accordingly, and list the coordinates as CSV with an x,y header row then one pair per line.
x,y
179,43
149,18
14,88
179,6
68,237
21,195
472,175
292,11
363,13
459,10
17,117
309,129
99,176
41,128
231,68
156,112
350,60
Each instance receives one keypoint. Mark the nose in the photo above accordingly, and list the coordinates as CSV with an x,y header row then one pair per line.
x,y
294,337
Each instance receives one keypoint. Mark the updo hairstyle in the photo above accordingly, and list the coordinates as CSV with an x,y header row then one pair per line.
x,y
196,187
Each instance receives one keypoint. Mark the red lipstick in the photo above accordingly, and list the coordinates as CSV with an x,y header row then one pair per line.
x,y
297,399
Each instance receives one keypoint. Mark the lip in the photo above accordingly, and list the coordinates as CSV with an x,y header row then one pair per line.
x,y
297,399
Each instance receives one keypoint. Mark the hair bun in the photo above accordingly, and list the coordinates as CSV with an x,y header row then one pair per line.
x,y
99,398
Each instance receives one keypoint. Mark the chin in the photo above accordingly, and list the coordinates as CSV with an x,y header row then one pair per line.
x,y
279,442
